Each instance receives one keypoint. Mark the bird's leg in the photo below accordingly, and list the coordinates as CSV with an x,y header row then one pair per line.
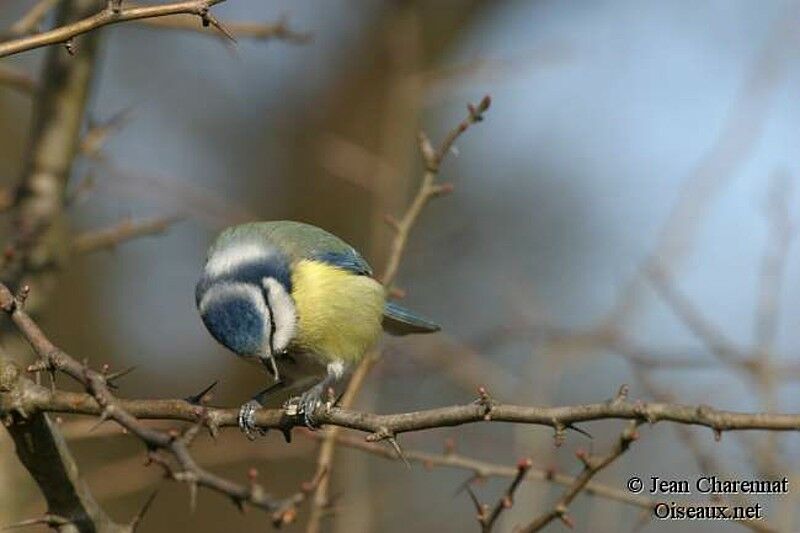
x,y
312,399
247,412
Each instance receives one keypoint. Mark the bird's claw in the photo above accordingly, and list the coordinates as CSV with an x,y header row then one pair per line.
x,y
307,405
247,422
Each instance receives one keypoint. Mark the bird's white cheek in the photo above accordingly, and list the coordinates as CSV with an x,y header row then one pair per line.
x,y
283,313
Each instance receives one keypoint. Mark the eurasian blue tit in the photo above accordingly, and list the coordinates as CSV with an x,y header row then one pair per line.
x,y
298,300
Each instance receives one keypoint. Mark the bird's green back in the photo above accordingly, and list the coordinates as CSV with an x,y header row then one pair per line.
x,y
299,241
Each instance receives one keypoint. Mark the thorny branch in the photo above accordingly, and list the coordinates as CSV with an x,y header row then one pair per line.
x,y
591,466
486,518
118,11
428,190
168,449
21,398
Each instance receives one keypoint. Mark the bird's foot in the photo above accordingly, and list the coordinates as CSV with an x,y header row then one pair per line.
x,y
247,422
307,404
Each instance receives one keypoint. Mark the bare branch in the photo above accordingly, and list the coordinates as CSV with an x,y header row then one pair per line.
x,y
482,469
21,398
488,521
120,233
178,464
428,190
249,30
105,17
591,466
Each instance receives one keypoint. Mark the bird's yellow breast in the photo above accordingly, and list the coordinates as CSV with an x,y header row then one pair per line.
x,y
339,313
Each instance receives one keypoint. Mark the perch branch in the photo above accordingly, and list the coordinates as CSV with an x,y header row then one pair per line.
x,y
98,385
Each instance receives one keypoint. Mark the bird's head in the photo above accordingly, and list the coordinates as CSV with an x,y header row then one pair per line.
x,y
244,296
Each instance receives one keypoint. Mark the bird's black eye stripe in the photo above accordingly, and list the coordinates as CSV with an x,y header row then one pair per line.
x,y
271,321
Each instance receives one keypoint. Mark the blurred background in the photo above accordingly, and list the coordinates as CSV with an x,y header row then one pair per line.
x,y
623,136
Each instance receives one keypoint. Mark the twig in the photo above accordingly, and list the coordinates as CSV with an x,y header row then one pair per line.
x,y
249,30
482,469
30,21
107,16
122,232
591,466
428,190
488,521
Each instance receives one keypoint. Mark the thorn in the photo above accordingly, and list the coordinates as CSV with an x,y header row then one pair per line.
x,y
208,18
717,434
474,498
137,519
579,430
54,521
69,45
287,434
239,503
198,399
398,450
104,416
110,378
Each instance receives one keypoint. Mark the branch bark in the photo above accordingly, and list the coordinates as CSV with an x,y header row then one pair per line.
x,y
65,32
37,246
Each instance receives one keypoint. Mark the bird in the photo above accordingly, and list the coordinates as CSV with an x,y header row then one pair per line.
x,y
300,302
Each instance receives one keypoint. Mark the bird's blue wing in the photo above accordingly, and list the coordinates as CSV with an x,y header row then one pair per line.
x,y
398,320
349,260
